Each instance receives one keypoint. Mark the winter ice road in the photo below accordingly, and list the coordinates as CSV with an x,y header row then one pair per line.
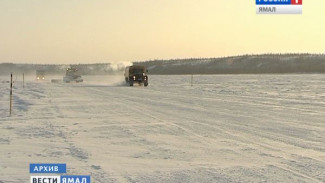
x,y
226,128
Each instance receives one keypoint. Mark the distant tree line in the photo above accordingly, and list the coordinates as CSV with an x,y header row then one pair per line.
x,y
245,64
51,69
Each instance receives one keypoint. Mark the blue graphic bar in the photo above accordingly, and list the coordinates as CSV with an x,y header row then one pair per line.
x,y
47,168
75,178
273,2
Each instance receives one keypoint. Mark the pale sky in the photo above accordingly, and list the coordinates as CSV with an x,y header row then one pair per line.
x,y
91,31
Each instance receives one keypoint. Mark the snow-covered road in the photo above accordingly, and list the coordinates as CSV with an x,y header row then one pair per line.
x,y
224,128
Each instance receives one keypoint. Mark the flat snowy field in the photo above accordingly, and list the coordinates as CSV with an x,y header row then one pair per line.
x,y
225,128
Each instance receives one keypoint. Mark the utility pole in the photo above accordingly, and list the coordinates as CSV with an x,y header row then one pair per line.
x,y
23,80
10,94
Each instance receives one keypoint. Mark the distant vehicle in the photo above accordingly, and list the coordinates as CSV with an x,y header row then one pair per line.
x,y
40,75
71,75
56,80
136,74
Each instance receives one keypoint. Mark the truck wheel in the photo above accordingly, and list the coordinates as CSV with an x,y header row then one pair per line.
x,y
131,83
145,84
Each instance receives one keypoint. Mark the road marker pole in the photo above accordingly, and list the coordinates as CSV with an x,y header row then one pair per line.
x,y
10,94
23,80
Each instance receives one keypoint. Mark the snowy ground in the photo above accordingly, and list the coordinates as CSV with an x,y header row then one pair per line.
x,y
225,128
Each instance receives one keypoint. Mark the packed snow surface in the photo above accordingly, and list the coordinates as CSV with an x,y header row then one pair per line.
x,y
224,128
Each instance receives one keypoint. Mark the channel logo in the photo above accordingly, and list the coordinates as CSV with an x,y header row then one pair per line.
x,y
279,2
278,6
61,168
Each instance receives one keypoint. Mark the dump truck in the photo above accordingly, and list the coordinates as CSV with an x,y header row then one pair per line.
x,y
72,75
40,75
136,74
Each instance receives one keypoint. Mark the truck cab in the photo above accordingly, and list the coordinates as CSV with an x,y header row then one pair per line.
x,y
136,74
